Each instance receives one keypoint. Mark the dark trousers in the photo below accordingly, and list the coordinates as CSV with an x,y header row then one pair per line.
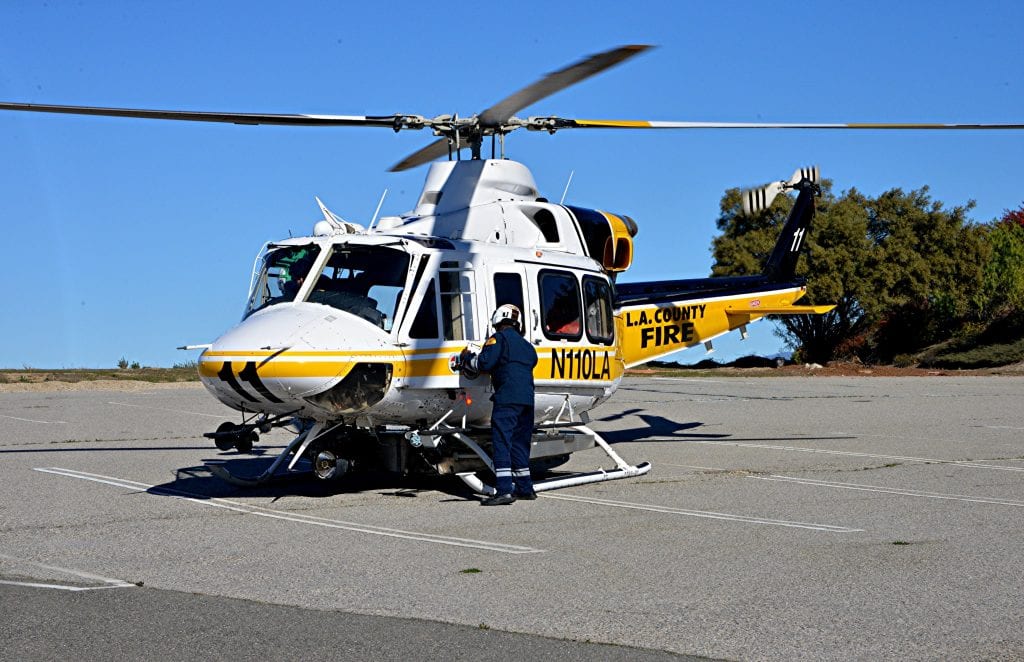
x,y
511,432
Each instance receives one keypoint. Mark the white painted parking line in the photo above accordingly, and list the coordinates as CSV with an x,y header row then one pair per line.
x,y
1002,427
61,587
32,420
976,464
893,490
107,581
259,511
173,411
702,381
703,513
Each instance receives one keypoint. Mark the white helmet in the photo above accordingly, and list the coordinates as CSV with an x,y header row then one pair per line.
x,y
507,313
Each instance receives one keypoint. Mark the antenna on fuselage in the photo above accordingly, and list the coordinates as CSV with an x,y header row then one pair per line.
x,y
377,210
566,191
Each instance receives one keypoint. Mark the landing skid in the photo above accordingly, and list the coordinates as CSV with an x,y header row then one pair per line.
x,y
296,448
622,470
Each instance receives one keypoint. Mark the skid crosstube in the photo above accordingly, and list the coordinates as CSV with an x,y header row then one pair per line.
x,y
622,470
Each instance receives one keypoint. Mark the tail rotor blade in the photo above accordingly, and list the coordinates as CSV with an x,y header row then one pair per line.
x,y
756,200
810,174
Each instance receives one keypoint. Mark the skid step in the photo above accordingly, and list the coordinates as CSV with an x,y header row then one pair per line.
x,y
480,487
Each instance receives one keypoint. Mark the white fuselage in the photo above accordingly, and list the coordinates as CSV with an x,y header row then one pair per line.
x,y
428,280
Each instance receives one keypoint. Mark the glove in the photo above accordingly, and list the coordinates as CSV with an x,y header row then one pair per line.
x,y
467,364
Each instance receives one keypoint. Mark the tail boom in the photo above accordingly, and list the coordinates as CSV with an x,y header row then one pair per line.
x,y
649,331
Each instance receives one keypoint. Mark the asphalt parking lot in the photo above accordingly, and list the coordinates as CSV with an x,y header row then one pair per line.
x,y
784,518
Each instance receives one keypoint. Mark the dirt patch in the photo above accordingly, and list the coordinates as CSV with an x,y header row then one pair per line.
x,y
34,375
833,369
70,379
93,385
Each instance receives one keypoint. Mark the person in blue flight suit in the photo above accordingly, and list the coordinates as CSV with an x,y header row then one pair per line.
x,y
509,358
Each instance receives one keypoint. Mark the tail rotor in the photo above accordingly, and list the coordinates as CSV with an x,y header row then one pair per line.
x,y
758,199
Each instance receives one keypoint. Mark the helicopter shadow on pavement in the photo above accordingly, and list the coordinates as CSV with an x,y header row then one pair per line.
x,y
654,428
101,449
198,482
660,429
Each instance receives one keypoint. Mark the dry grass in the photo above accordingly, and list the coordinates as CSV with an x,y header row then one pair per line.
x,y
77,375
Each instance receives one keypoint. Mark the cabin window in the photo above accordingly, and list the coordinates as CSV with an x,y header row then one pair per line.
x,y
366,281
560,305
597,303
457,303
508,288
425,324
283,270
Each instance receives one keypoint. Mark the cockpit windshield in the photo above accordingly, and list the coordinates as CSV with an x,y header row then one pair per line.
x,y
366,281
282,272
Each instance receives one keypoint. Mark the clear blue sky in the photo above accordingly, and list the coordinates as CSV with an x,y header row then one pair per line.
x,y
129,237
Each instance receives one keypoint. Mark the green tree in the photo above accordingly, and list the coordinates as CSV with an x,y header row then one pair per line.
x,y
927,274
902,270
1003,280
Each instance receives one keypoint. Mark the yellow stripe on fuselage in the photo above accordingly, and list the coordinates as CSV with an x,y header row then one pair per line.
x,y
598,363
281,369
325,353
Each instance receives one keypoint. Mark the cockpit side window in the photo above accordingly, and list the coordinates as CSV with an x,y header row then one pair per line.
x,y
367,281
283,271
598,306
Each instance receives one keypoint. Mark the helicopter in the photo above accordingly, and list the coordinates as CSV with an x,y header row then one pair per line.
x,y
351,335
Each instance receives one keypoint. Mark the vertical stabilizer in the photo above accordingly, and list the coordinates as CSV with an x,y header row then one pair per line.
x,y
781,264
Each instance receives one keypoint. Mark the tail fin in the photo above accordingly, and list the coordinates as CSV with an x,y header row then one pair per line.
x,y
781,264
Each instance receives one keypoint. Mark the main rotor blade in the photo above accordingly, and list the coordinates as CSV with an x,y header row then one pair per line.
x,y
388,121
434,150
558,123
500,112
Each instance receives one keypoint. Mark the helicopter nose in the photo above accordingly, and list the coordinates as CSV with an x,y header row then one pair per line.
x,y
299,358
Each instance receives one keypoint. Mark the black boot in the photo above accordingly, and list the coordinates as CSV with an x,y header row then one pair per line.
x,y
499,500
